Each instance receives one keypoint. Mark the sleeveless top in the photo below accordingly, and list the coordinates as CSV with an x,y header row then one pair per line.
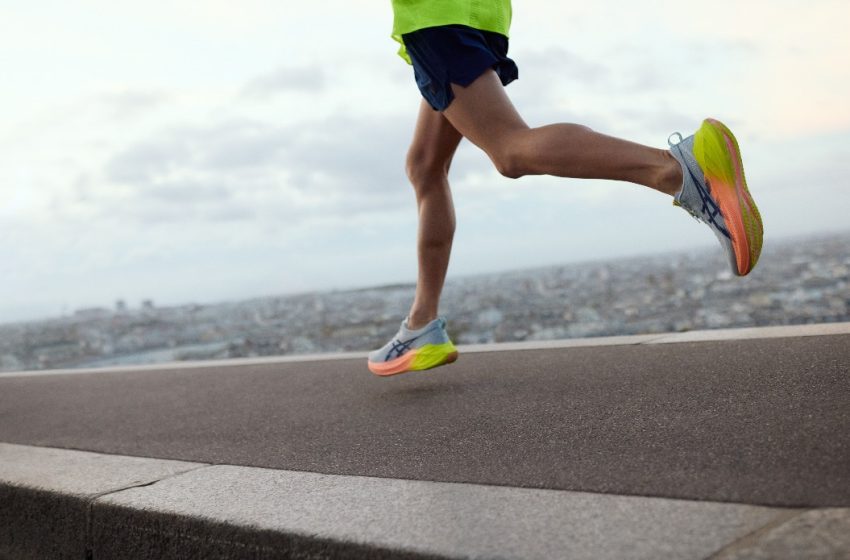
x,y
412,15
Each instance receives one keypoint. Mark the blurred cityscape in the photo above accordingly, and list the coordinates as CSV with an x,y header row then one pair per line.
x,y
798,281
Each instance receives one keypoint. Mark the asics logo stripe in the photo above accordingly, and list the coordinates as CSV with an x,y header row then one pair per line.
x,y
713,211
709,210
400,347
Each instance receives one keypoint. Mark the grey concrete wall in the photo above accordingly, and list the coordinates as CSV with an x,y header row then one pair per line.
x,y
131,533
45,495
38,524
72,504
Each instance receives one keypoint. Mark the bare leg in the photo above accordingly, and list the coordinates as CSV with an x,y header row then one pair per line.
x,y
434,143
484,114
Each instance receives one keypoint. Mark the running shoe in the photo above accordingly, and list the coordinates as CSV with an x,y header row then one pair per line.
x,y
409,350
715,192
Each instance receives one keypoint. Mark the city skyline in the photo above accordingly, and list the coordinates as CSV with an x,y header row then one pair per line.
x,y
120,304
801,281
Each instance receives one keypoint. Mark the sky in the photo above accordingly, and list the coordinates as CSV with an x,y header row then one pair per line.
x,y
196,152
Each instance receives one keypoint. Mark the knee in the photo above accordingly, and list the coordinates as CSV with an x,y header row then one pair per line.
x,y
509,166
425,170
510,162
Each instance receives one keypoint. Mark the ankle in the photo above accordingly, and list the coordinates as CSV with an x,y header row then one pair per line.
x,y
418,319
670,177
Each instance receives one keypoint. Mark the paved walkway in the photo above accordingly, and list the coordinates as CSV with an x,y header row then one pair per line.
x,y
519,453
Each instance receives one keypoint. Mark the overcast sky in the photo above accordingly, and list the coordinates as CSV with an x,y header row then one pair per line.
x,y
205,151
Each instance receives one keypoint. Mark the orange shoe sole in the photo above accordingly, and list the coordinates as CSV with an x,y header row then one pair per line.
x,y
720,158
406,363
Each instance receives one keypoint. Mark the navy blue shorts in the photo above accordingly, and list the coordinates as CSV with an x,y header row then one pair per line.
x,y
455,54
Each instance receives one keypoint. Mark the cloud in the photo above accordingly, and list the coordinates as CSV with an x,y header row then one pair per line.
x,y
656,120
565,64
303,79
323,169
129,103
145,161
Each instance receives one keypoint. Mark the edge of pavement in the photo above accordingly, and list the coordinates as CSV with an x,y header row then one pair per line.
x,y
59,503
821,329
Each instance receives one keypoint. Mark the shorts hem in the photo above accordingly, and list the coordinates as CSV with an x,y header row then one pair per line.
x,y
455,54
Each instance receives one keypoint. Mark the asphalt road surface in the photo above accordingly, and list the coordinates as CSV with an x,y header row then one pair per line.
x,y
754,421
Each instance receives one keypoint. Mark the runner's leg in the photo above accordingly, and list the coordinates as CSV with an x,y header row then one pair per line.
x,y
434,144
484,114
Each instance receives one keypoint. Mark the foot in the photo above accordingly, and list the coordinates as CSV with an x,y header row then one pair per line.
x,y
715,192
411,350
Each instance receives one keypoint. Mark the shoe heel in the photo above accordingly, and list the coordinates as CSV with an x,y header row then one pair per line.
x,y
433,355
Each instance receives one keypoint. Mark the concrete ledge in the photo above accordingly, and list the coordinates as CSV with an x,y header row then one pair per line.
x,y
45,495
67,504
814,535
823,329
417,518
134,534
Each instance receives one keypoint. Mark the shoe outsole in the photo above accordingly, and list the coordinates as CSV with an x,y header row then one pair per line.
x,y
717,152
426,357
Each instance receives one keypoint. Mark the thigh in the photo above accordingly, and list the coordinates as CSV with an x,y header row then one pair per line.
x,y
484,114
435,141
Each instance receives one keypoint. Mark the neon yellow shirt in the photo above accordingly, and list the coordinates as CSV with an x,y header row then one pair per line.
x,y
486,15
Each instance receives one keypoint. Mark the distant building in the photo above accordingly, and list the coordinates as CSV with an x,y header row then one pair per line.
x,y
798,283
92,313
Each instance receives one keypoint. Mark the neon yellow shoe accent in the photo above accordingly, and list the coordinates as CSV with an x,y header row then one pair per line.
x,y
433,355
711,153
716,151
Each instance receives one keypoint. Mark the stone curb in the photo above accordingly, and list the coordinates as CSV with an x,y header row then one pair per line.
x,y
74,504
46,496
